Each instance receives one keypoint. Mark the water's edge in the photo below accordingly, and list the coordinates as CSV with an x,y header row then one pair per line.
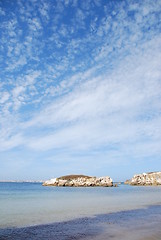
x,y
137,224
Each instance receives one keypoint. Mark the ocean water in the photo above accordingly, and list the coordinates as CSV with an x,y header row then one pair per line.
x,y
29,207
25,204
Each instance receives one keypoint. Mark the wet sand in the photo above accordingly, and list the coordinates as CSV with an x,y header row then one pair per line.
x,y
141,224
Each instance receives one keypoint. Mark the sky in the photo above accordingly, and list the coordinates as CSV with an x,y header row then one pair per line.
x,y
80,88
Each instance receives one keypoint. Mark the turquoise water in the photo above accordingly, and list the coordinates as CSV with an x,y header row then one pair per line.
x,y
26,204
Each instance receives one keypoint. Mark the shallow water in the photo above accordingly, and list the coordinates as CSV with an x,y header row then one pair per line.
x,y
28,204
142,224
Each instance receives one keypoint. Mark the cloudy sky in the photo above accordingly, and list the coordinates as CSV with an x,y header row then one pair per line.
x,y
80,88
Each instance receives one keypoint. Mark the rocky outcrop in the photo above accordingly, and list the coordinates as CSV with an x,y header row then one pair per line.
x,y
152,178
79,181
127,181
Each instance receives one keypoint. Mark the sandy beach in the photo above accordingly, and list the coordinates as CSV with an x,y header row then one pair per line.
x,y
141,224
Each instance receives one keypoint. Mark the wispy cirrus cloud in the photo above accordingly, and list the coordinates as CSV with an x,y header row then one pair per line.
x,y
114,109
81,79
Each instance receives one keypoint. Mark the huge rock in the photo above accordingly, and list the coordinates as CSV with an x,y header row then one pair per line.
x,y
79,181
151,178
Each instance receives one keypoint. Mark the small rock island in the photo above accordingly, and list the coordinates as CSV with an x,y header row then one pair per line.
x,y
79,181
145,179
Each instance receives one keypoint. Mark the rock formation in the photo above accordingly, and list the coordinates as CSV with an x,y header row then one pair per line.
x,y
127,181
151,178
79,181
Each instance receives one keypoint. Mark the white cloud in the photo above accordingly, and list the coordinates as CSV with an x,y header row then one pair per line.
x,y
18,90
14,141
121,108
5,96
16,64
90,85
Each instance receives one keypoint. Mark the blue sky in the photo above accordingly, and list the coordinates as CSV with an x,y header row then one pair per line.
x,y
80,88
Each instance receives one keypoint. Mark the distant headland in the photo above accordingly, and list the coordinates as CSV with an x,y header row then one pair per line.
x,y
22,181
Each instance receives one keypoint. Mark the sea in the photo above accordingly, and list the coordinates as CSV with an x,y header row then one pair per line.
x,y
32,211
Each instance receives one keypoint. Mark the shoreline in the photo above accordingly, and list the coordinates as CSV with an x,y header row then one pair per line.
x,y
136,224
